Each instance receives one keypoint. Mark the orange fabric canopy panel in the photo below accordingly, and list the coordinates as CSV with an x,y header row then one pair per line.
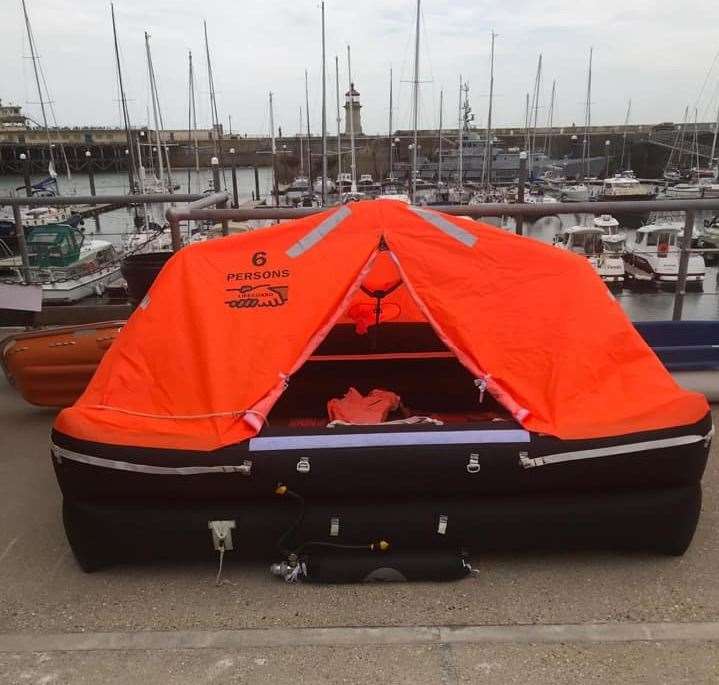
x,y
227,322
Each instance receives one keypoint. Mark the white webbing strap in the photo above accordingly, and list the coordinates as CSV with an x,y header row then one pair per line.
x,y
614,450
61,453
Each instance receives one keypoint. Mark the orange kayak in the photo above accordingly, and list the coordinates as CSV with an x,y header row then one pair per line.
x,y
52,367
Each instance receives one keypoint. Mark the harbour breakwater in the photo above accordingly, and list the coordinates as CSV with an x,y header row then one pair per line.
x,y
646,149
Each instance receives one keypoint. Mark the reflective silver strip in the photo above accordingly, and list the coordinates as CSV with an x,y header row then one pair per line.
x,y
307,442
61,453
319,232
612,451
452,230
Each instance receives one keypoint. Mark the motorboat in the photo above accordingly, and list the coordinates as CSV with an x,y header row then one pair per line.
x,y
459,195
344,182
683,191
299,187
377,410
624,186
574,192
604,252
330,186
709,188
654,256
52,367
608,225
365,181
67,264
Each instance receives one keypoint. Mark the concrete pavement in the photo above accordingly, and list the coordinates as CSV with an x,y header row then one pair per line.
x,y
43,592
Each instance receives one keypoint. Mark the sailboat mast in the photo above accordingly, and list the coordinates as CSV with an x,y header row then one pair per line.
x,y
309,136
213,105
415,105
439,153
131,164
696,137
537,88
550,122
460,134
389,132
302,156
714,141
488,147
339,118
274,155
192,125
588,118
350,113
34,57
324,114
624,137
155,117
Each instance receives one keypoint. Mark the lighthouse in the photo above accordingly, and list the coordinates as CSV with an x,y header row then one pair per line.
x,y
352,108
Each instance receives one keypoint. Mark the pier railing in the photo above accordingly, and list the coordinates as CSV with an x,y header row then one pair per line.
x,y
211,208
519,212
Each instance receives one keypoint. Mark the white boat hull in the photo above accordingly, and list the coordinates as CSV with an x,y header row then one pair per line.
x,y
66,292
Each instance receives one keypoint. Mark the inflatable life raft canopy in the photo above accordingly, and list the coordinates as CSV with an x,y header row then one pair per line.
x,y
216,341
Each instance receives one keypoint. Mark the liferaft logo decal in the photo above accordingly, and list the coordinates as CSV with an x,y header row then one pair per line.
x,y
267,294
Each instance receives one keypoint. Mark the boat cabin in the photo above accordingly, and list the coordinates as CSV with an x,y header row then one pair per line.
x,y
54,245
661,239
584,240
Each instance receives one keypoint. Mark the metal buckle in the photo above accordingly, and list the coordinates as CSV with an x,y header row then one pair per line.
x,y
334,526
303,465
473,463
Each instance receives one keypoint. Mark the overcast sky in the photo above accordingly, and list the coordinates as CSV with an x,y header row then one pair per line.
x,y
657,52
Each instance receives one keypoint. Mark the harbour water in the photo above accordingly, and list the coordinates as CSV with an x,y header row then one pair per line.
x,y
640,305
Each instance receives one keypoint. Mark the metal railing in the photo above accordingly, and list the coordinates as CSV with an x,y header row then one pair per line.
x,y
517,211
210,208
16,203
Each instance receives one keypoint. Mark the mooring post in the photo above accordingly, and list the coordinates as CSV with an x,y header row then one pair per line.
x,y
235,196
519,220
683,265
91,176
257,184
26,173
21,244
217,188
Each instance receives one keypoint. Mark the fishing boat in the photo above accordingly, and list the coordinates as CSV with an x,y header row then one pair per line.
x,y
604,252
52,367
67,264
378,395
654,256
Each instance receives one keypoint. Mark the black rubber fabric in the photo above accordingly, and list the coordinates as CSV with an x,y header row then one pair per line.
x,y
422,470
655,520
